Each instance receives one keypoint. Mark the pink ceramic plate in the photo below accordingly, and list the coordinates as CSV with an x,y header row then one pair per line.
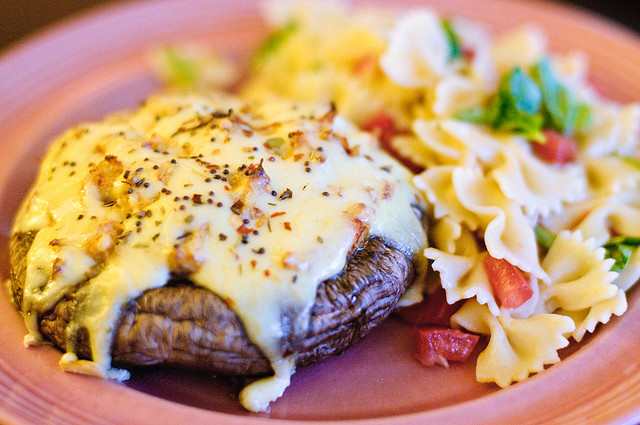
x,y
97,64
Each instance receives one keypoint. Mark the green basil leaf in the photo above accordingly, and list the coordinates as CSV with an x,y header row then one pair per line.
x,y
563,111
623,240
455,51
550,88
635,162
515,108
527,126
273,42
521,92
182,70
475,115
620,249
584,117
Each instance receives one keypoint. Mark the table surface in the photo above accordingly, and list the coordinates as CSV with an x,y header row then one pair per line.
x,y
21,18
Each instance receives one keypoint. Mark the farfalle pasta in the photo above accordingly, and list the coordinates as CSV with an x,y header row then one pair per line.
x,y
517,347
533,184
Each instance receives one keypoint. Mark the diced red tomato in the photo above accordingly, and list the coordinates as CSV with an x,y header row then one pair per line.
x,y
433,310
440,345
468,53
507,281
558,149
383,126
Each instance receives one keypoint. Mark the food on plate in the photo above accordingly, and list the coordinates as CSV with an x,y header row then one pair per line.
x,y
211,233
280,225
531,175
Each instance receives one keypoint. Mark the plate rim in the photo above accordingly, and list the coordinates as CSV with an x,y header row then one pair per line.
x,y
62,29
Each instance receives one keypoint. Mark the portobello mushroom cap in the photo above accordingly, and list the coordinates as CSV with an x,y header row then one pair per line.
x,y
183,325
213,233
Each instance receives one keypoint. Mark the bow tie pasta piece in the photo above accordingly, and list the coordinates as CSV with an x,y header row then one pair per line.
x,y
533,184
463,277
614,176
418,52
522,47
508,232
628,276
457,142
451,237
443,150
428,52
615,129
454,93
517,347
608,217
581,284
587,319
437,184
580,279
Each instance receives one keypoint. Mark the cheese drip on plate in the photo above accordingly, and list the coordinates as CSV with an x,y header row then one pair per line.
x,y
258,203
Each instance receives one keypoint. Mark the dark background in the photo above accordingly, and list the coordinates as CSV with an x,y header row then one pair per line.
x,y
19,18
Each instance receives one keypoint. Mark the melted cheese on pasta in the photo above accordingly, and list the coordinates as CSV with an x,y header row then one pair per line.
x,y
258,203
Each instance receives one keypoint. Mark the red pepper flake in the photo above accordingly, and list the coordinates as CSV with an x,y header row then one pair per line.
x,y
277,214
298,156
244,230
197,198
254,263
287,225
267,273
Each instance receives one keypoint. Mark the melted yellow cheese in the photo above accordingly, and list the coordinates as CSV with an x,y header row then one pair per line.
x,y
258,203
